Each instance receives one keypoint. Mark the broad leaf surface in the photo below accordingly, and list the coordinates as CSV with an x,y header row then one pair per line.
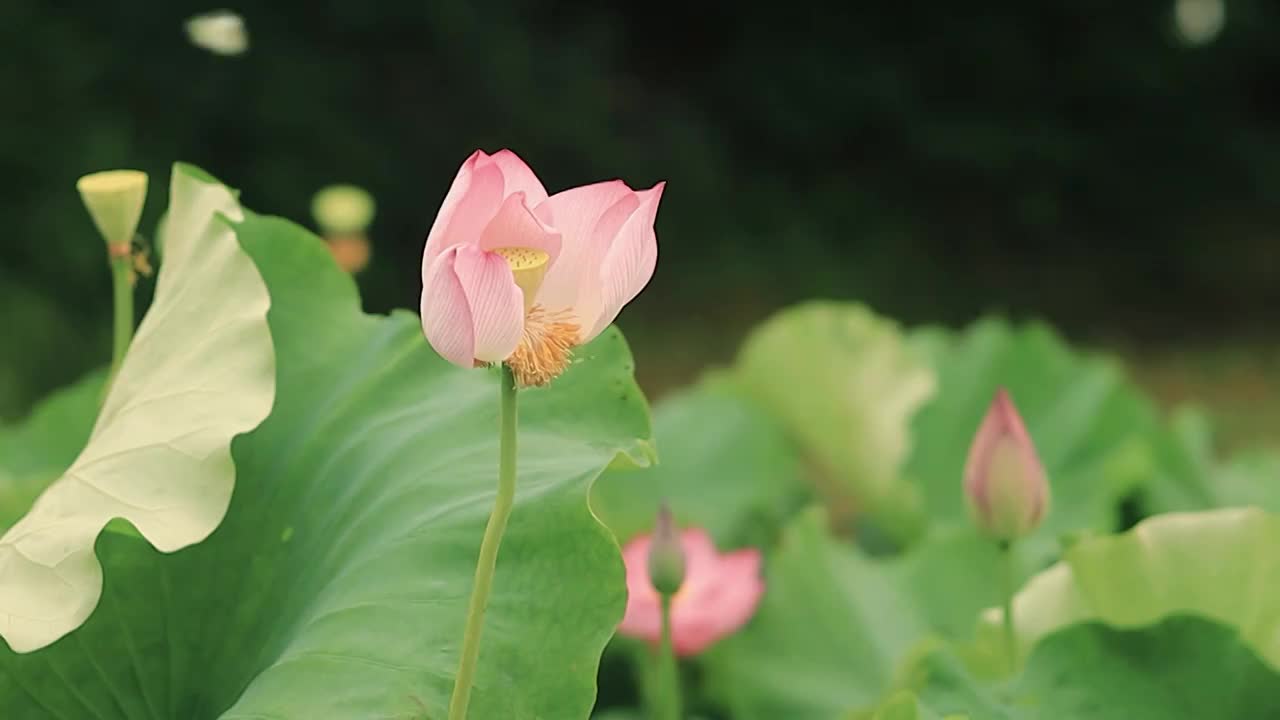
x,y
1246,478
845,384
725,465
1181,669
834,624
902,705
837,631
337,585
199,372
34,452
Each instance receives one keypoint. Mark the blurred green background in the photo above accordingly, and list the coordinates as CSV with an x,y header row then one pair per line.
x,y
1096,164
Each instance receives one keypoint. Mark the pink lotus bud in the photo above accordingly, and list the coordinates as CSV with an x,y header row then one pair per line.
x,y
512,275
718,595
666,558
1004,481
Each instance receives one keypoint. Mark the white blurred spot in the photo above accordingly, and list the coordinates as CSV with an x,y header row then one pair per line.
x,y
1199,21
220,31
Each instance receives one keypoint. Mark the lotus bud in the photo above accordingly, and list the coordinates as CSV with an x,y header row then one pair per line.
x,y
666,556
114,199
1004,482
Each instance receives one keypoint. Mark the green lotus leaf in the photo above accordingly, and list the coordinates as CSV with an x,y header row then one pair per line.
x,y
1184,668
35,452
845,384
200,371
337,585
838,631
1247,478
1219,564
903,705
727,466
827,636
835,625
618,714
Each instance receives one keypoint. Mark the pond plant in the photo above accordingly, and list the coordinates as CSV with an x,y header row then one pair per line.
x,y
269,504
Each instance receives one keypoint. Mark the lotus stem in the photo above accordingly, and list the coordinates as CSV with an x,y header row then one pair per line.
x,y
668,674
1008,582
488,550
122,332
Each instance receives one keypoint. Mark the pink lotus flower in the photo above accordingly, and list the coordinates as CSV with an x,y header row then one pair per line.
x,y
1004,481
512,275
719,593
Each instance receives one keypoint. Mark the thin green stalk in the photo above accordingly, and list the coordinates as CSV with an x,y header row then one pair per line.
x,y
488,550
668,681
1008,585
122,332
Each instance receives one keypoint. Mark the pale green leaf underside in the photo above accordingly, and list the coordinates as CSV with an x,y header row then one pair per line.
x,y
337,585
200,371
845,384
1220,564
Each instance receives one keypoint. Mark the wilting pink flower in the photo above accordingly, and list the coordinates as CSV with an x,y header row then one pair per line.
x,y
510,274
1004,481
719,593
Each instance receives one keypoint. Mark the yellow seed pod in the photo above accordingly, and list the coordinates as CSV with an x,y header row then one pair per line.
x,y
529,268
114,199
343,209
